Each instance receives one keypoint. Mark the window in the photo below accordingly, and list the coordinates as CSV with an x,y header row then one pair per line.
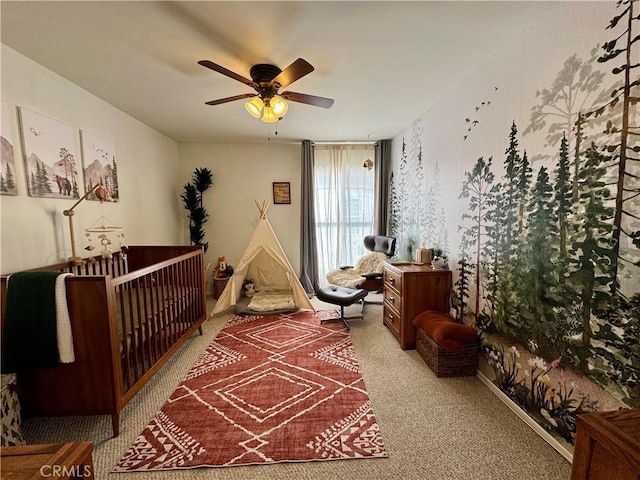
x,y
344,204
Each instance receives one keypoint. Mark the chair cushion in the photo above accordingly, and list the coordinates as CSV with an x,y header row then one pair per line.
x,y
340,295
444,330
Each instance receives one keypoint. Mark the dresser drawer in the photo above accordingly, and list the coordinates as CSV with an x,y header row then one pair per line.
x,y
392,320
393,279
392,299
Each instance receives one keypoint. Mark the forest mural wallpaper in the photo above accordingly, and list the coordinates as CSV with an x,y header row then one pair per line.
x,y
528,178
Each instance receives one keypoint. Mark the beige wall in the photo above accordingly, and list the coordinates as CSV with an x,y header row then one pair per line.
x,y
241,175
34,231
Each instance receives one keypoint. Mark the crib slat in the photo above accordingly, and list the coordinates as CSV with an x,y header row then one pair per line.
x,y
123,337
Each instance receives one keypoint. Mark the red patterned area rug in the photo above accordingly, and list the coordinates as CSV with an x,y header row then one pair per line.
x,y
269,389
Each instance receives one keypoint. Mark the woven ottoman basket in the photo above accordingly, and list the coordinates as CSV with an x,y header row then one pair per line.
x,y
445,363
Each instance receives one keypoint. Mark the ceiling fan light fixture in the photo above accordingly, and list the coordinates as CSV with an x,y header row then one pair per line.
x,y
254,106
268,116
279,106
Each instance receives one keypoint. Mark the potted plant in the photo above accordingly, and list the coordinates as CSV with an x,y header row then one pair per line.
x,y
192,200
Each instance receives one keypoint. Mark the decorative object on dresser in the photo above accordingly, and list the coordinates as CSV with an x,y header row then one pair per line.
x,y
450,349
607,446
423,256
409,290
128,315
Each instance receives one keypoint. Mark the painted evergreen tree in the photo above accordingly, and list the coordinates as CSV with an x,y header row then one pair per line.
x,y
33,184
541,295
403,203
461,287
576,156
591,250
524,184
506,305
478,188
625,146
563,207
3,185
8,178
394,214
115,193
495,233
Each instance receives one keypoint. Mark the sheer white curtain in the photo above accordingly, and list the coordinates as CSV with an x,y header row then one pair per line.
x,y
344,203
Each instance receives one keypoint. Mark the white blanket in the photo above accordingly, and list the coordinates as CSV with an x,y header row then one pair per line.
x,y
63,322
270,301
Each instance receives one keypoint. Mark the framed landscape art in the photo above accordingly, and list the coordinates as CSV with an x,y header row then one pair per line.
x,y
8,185
99,165
49,155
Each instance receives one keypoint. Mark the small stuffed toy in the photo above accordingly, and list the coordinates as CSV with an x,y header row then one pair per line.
x,y
221,270
248,288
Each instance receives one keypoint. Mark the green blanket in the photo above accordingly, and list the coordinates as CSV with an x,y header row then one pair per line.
x,y
29,334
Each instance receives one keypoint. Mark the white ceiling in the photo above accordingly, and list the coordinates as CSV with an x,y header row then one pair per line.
x,y
384,62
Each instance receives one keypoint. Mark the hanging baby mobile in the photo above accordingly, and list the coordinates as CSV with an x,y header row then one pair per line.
x,y
101,228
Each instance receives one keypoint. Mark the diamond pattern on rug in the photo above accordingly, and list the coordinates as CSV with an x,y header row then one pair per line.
x,y
341,354
269,388
215,356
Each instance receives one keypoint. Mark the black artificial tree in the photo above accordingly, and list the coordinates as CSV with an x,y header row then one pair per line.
x,y
192,199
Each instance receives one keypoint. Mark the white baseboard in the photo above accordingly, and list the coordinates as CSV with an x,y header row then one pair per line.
x,y
562,450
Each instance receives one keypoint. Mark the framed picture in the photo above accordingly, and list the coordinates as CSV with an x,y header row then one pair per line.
x,y
99,165
50,156
8,184
281,193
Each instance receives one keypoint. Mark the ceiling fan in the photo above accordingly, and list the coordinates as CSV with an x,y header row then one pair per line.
x,y
267,80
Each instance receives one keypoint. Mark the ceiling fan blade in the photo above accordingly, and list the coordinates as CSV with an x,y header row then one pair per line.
x,y
230,99
293,72
217,68
308,99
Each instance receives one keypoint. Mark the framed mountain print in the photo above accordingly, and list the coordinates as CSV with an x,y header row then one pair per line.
x,y
99,165
49,148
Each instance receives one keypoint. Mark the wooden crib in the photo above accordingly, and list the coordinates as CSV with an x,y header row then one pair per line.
x,y
129,315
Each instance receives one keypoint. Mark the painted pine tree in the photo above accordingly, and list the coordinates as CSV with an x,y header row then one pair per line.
x,y
624,146
541,294
563,206
478,188
591,250
507,273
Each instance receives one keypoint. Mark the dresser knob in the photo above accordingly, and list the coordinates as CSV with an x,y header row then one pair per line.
x,y
392,281
392,300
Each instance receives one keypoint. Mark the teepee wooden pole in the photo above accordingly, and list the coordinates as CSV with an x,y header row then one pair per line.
x,y
262,208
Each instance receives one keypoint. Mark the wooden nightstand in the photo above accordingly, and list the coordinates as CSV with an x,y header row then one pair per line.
x,y
409,290
57,460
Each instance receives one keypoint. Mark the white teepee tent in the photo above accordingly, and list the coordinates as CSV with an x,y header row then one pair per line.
x,y
266,264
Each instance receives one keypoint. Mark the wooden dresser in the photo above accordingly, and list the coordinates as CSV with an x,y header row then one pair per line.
x,y
409,290
607,446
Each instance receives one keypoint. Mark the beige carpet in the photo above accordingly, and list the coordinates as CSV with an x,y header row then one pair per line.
x,y
433,428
